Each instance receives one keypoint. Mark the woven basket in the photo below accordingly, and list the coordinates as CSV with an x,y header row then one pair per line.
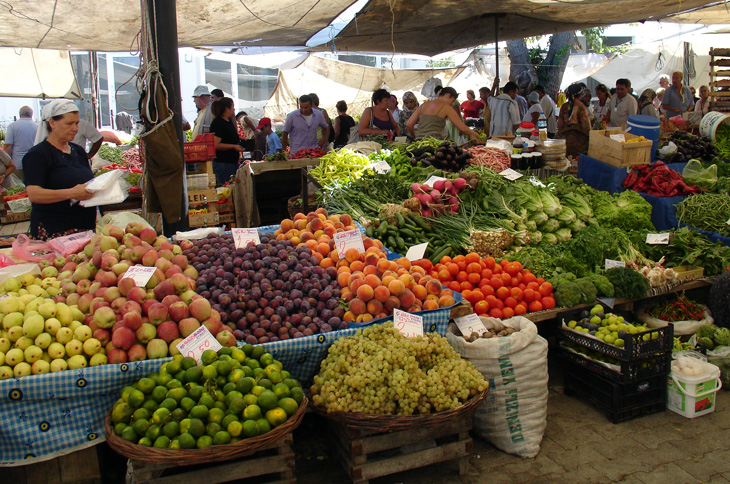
x,y
214,453
295,209
394,423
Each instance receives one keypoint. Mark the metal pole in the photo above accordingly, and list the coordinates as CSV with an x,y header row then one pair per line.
x,y
164,39
496,47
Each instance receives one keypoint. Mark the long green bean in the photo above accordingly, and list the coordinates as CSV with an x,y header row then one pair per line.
x,y
706,211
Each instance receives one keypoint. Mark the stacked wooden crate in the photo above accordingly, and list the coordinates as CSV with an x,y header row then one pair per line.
x,y
199,155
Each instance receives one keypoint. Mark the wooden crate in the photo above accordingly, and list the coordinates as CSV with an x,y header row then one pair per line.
x,y
688,273
275,461
11,218
199,197
81,467
367,455
202,168
615,153
209,219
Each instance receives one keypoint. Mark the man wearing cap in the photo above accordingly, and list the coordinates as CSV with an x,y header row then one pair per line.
x,y
273,144
20,137
201,96
301,125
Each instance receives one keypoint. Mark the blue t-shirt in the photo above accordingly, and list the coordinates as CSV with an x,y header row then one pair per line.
x,y
273,143
48,167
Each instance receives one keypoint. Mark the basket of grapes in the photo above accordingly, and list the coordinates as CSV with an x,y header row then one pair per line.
x,y
380,380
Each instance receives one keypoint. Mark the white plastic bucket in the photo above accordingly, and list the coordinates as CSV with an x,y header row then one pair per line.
x,y
710,122
693,396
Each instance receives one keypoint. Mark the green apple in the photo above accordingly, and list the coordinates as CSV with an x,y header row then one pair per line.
x,y
77,362
59,365
43,340
21,369
56,350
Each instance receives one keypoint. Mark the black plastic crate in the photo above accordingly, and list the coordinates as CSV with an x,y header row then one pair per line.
x,y
620,401
631,371
634,345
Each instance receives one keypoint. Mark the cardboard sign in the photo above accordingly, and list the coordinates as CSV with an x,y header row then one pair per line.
x,y
610,264
200,340
417,252
242,236
510,174
656,239
408,324
433,180
381,167
351,239
140,274
618,137
470,324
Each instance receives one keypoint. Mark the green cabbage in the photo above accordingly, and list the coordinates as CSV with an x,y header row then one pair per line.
x,y
549,238
563,234
566,216
551,204
550,226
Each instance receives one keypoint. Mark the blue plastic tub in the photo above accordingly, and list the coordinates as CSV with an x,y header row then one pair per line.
x,y
646,126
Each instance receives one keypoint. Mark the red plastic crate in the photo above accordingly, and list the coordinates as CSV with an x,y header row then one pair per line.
x,y
202,149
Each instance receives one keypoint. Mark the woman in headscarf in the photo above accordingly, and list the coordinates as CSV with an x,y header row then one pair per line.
x,y
646,104
410,103
573,122
56,174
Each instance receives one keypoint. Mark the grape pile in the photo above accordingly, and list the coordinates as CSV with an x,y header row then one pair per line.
x,y
379,371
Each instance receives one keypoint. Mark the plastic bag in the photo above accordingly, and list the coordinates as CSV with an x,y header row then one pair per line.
x,y
667,150
121,220
32,250
71,244
198,233
6,261
695,174
18,270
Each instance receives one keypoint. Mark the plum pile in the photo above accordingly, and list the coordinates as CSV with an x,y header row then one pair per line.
x,y
270,292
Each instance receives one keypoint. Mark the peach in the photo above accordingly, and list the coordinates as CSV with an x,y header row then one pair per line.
x,y
295,240
333,218
318,233
370,270
326,262
345,219
299,216
330,231
357,306
287,225
420,292
392,303
311,244
347,295
321,211
446,301
357,266
323,248
371,258
372,280
367,242
349,317
352,255
433,287
407,298
417,270
430,305
381,293
365,292
339,226
396,287
407,279
364,318
383,265
342,278
300,224
374,307
311,216
432,297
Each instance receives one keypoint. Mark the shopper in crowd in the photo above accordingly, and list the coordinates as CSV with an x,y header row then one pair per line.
x,y
342,125
694,94
273,143
505,117
549,109
646,104
677,98
201,97
377,120
586,97
20,137
327,119
621,106
56,174
431,116
301,126
86,135
485,115
216,94
410,103
7,167
246,128
600,107
227,143
393,107
533,112
573,122
521,103
703,103
663,85
471,108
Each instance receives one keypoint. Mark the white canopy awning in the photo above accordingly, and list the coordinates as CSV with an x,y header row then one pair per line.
x,y
37,73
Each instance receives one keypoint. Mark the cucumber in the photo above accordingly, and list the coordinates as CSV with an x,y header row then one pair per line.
x,y
437,255
392,230
399,220
418,220
370,231
408,233
400,243
391,243
382,228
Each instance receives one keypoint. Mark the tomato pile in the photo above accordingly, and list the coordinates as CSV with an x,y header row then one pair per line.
x,y
500,289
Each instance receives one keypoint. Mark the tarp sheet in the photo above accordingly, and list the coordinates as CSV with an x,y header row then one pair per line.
x,y
37,73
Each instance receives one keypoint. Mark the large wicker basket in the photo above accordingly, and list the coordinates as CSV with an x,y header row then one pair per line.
x,y
214,453
394,423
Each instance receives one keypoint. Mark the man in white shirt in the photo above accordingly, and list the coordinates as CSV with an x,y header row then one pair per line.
x,y
621,106
20,137
549,109
505,112
201,96
88,133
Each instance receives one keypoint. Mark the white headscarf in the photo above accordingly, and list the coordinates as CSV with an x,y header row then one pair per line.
x,y
50,110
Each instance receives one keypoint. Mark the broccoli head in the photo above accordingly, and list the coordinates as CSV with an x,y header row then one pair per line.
x,y
706,343
721,337
587,289
562,278
603,285
706,331
568,295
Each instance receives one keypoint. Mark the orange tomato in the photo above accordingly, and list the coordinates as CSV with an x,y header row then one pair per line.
x,y
496,282
454,286
539,280
465,294
495,313
516,293
533,285
487,290
513,268
535,306
547,303
510,302
546,289
462,265
506,279
497,269
462,276
528,277
490,262
452,268
503,262
482,307
520,310
474,277
493,301
502,293
466,285
474,267
444,275
486,274
514,282
445,259
459,258
471,257
529,295
507,313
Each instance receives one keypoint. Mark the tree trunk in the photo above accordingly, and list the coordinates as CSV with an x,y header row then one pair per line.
x,y
521,70
551,71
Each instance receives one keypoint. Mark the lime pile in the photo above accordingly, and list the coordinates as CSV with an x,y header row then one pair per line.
x,y
608,327
235,394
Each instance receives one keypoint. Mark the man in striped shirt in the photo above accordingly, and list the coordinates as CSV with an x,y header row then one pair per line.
x,y
505,112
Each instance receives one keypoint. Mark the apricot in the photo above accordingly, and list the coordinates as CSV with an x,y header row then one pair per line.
x,y
357,306
342,278
364,318
365,292
327,262
323,248
430,305
318,233
349,317
392,303
396,287
374,307
287,224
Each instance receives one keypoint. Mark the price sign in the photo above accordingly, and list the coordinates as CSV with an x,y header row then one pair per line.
x,y
408,324
470,324
242,236
618,137
608,301
510,174
400,139
140,274
381,167
655,239
433,180
417,252
728,221
200,340
351,239
610,264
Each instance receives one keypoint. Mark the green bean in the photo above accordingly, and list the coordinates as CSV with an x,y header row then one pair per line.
x,y
706,211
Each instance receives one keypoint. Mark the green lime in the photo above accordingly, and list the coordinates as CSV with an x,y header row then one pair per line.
x,y
297,394
129,434
187,441
221,438
199,411
266,359
266,383
193,374
244,385
257,352
220,405
126,391
178,357
276,416
163,379
259,373
161,416
141,426
250,429
180,375
171,429
221,381
226,350
119,428
184,425
187,403
169,404
153,432
197,427
274,376
145,385
252,412
212,428
232,395
209,372
196,392
285,374
263,425
289,405
174,444
188,362
159,393
145,441
268,400
204,441
257,390
161,442
208,357
247,370
216,415
291,382
172,367
235,428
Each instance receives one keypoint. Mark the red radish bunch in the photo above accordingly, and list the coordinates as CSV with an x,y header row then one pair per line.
x,y
440,199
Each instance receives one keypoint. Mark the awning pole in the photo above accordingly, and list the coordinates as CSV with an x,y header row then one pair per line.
x,y
496,46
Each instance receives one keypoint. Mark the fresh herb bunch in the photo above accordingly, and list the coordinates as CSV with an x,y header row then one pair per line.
x,y
627,282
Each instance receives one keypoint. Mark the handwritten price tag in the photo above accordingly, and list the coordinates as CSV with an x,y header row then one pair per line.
x,y
242,236
656,239
417,252
610,264
140,274
381,167
408,324
470,324
351,239
200,340
510,174
433,180
618,137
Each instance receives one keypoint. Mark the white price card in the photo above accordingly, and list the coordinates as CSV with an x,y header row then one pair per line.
x,y
350,239
140,274
200,340
655,239
433,180
242,236
408,324
417,252
381,167
470,324
511,174
610,264
728,221
618,137
608,301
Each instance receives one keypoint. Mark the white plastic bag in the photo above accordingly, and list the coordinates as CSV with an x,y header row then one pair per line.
x,y
18,270
681,328
514,414
198,233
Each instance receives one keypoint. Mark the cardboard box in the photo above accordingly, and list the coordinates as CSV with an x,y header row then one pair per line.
x,y
226,218
615,153
11,218
203,219
224,207
688,273
198,197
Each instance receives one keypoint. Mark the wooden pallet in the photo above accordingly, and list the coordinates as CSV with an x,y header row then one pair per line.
x,y
275,461
366,455
80,467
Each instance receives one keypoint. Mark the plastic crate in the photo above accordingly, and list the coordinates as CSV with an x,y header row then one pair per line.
x,y
202,149
620,401
634,345
629,371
